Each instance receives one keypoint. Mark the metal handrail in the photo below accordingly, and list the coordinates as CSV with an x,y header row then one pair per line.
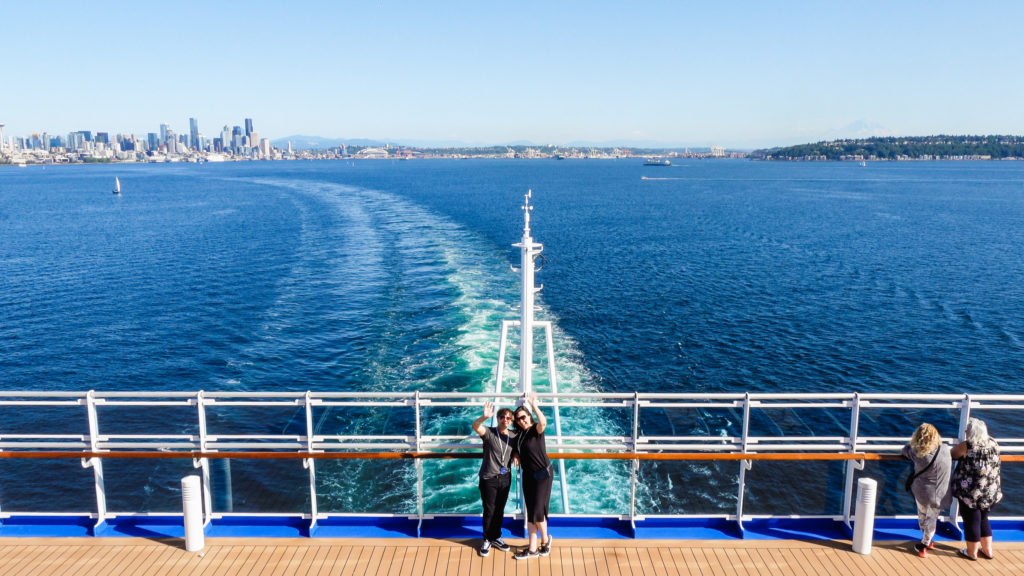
x,y
400,455
95,437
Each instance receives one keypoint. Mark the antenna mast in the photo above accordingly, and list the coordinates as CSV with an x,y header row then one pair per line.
x,y
529,251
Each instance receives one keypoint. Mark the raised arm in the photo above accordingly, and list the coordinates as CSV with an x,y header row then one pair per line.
x,y
538,415
478,424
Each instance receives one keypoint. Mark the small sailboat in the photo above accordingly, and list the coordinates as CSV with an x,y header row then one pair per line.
x,y
117,186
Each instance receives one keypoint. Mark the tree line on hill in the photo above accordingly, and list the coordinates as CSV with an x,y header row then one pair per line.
x,y
900,148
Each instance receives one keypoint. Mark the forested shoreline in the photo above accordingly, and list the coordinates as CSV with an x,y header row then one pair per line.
x,y
940,147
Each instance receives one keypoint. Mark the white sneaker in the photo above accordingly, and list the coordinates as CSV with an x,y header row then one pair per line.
x,y
485,548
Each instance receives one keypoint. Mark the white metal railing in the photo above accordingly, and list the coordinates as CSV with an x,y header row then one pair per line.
x,y
739,427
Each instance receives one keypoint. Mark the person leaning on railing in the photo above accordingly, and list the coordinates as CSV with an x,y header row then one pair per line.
x,y
929,482
976,484
495,475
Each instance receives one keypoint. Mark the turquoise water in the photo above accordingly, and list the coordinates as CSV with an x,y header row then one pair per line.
x,y
723,276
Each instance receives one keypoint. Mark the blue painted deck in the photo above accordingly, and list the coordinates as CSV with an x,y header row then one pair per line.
x,y
462,527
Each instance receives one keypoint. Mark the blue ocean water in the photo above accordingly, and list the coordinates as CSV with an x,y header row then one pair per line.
x,y
711,276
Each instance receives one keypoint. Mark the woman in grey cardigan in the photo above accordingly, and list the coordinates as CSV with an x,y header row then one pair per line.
x,y
932,466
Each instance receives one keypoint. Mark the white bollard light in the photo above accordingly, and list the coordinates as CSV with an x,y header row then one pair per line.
x,y
192,502
864,520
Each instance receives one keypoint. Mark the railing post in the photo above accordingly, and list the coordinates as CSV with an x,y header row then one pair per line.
x,y
563,480
95,463
635,476
419,466
965,415
204,463
852,465
744,464
500,371
310,463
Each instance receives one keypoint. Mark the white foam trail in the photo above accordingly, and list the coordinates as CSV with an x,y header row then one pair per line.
x,y
411,255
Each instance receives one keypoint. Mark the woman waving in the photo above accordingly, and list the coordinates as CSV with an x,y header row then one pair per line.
x,y
538,474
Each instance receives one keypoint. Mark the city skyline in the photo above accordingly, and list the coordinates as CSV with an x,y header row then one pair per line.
x,y
741,75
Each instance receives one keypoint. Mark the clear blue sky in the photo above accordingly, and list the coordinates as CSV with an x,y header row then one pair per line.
x,y
739,74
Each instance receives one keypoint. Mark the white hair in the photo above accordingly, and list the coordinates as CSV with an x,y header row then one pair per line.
x,y
977,432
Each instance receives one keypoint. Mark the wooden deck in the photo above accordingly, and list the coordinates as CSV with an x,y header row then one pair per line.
x,y
311,557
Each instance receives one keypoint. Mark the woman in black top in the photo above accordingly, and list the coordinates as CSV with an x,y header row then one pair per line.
x,y
538,476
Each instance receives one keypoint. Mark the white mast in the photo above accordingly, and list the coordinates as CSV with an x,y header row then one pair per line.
x,y
529,250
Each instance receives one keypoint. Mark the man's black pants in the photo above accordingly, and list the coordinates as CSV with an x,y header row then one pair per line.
x,y
494,494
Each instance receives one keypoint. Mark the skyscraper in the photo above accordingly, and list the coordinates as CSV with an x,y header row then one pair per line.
x,y
237,139
164,128
248,128
193,133
171,141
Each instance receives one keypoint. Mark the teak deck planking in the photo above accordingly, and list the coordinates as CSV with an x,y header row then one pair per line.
x,y
350,556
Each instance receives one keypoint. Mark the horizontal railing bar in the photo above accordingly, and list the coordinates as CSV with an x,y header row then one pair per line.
x,y
253,403
106,437
208,395
21,445
105,403
65,454
318,438
684,403
337,404
39,403
44,436
291,437
56,454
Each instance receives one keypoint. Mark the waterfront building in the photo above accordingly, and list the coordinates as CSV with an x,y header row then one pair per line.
x,y
372,153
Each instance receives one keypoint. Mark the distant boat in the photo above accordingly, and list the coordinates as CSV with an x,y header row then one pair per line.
x,y
863,163
657,162
117,186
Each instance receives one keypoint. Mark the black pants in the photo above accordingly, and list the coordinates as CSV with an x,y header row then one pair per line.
x,y
494,494
976,525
